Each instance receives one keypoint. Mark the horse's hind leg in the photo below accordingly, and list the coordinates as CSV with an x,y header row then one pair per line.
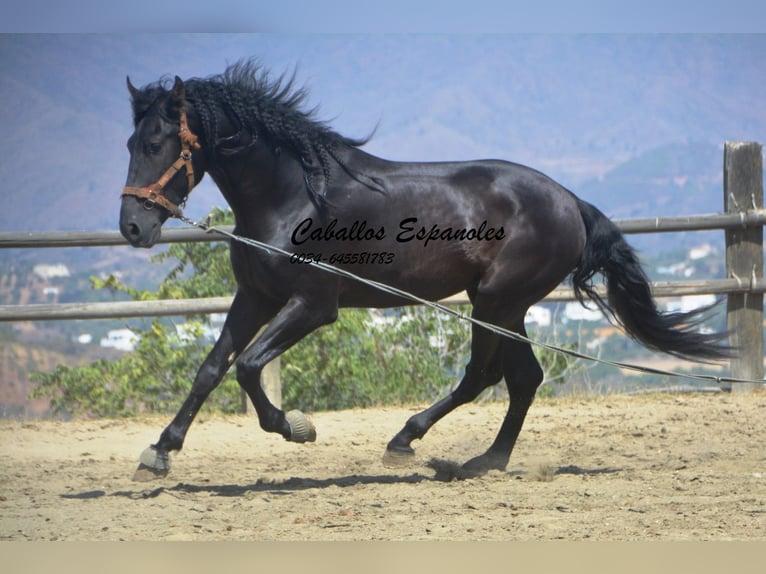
x,y
522,376
483,370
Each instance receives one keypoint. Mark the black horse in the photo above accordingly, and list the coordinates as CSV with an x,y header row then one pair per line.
x,y
504,233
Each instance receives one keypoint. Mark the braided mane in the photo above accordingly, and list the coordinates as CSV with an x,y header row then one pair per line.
x,y
258,106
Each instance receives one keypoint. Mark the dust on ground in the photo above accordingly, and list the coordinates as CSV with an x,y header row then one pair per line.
x,y
659,467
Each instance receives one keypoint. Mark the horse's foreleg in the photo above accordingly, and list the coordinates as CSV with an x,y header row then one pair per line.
x,y
242,322
294,321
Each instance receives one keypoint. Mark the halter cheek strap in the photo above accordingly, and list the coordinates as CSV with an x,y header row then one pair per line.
x,y
152,194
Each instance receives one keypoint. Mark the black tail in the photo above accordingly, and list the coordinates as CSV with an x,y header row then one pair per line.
x,y
629,299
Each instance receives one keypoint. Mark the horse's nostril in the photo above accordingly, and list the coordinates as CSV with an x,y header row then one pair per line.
x,y
134,230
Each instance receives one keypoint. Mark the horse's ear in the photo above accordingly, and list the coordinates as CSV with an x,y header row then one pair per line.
x,y
131,88
179,91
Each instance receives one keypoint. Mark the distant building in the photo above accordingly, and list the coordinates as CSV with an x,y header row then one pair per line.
x,y
680,269
538,315
51,271
578,312
701,251
192,332
689,303
120,339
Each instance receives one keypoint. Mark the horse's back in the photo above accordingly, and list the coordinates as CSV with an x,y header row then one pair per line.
x,y
484,225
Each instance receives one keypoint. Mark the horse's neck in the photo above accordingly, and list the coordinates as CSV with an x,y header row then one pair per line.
x,y
259,193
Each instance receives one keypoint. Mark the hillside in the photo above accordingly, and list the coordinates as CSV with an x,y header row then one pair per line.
x,y
16,362
47,350
573,106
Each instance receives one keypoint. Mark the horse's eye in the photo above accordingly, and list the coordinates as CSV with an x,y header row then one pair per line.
x,y
154,148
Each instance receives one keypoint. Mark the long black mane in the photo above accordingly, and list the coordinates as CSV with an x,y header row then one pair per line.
x,y
260,106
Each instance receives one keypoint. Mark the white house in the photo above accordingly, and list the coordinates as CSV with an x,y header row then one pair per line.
x,y
574,311
701,251
120,339
538,315
50,271
689,303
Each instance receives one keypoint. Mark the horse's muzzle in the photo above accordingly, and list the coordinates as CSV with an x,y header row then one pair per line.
x,y
140,227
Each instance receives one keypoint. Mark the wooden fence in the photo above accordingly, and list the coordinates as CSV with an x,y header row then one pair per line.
x,y
742,221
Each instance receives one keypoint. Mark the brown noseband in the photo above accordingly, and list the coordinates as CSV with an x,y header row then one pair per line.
x,y
152,194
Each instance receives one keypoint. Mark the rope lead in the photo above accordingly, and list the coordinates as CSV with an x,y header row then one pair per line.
x,y
270,249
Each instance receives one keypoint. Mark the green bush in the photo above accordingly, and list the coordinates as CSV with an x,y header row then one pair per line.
x,y
416,356
154,378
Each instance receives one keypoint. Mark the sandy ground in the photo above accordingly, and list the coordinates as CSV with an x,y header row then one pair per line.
x,y
661,467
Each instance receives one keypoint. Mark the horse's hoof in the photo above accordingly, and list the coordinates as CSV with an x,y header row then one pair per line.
x,y
396,458
447,470
147,474
480,465
153,464
301,428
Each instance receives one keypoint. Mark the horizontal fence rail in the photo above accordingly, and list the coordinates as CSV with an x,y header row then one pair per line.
x,y
705,222
177,307
207,305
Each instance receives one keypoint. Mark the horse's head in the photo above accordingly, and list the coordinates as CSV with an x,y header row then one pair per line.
x,y
164,164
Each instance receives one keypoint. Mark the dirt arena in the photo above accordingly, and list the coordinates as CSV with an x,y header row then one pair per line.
x,y
661,467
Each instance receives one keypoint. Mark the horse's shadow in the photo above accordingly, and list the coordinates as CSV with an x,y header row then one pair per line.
x,y
298,484
576,470
273,487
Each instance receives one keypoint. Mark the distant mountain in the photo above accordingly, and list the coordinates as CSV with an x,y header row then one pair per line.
x,y
673,179
597,113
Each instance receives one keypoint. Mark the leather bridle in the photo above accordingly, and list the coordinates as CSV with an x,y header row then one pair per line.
x,y
152,194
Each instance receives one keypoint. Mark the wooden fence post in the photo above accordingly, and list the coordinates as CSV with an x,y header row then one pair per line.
x,y
743,191
271,383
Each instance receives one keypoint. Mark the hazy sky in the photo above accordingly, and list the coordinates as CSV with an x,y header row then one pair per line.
x,y
385,16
